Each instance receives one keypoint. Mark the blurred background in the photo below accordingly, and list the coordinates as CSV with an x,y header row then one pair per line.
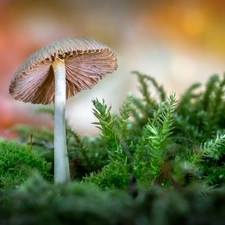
x,y
178,42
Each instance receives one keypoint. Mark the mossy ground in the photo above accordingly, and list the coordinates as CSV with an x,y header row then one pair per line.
x,y
158,159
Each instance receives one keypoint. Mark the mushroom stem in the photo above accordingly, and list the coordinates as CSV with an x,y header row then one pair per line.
x,y
61,162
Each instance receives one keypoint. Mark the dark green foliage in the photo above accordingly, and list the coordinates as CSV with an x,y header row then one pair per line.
x,y
202,113
17,162
86,154
38,202
71,203
201,121
40,136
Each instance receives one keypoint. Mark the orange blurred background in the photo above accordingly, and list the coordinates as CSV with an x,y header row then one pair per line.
x,y
178,42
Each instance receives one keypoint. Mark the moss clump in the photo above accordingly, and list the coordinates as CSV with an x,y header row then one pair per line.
x,y
162,140
39,202
17,162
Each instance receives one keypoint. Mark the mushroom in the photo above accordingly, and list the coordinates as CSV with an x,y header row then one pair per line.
x,y
55,73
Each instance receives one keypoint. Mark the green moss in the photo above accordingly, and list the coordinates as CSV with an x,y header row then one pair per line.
x,y
155,138
17,162
40,202
164,140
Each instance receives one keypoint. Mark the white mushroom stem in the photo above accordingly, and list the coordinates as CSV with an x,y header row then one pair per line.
x,y
61,162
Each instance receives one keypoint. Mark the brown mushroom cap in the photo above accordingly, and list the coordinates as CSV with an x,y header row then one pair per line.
x,y
86,62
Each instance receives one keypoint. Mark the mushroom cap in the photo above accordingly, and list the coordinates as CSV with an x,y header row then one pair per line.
x,y
86,61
